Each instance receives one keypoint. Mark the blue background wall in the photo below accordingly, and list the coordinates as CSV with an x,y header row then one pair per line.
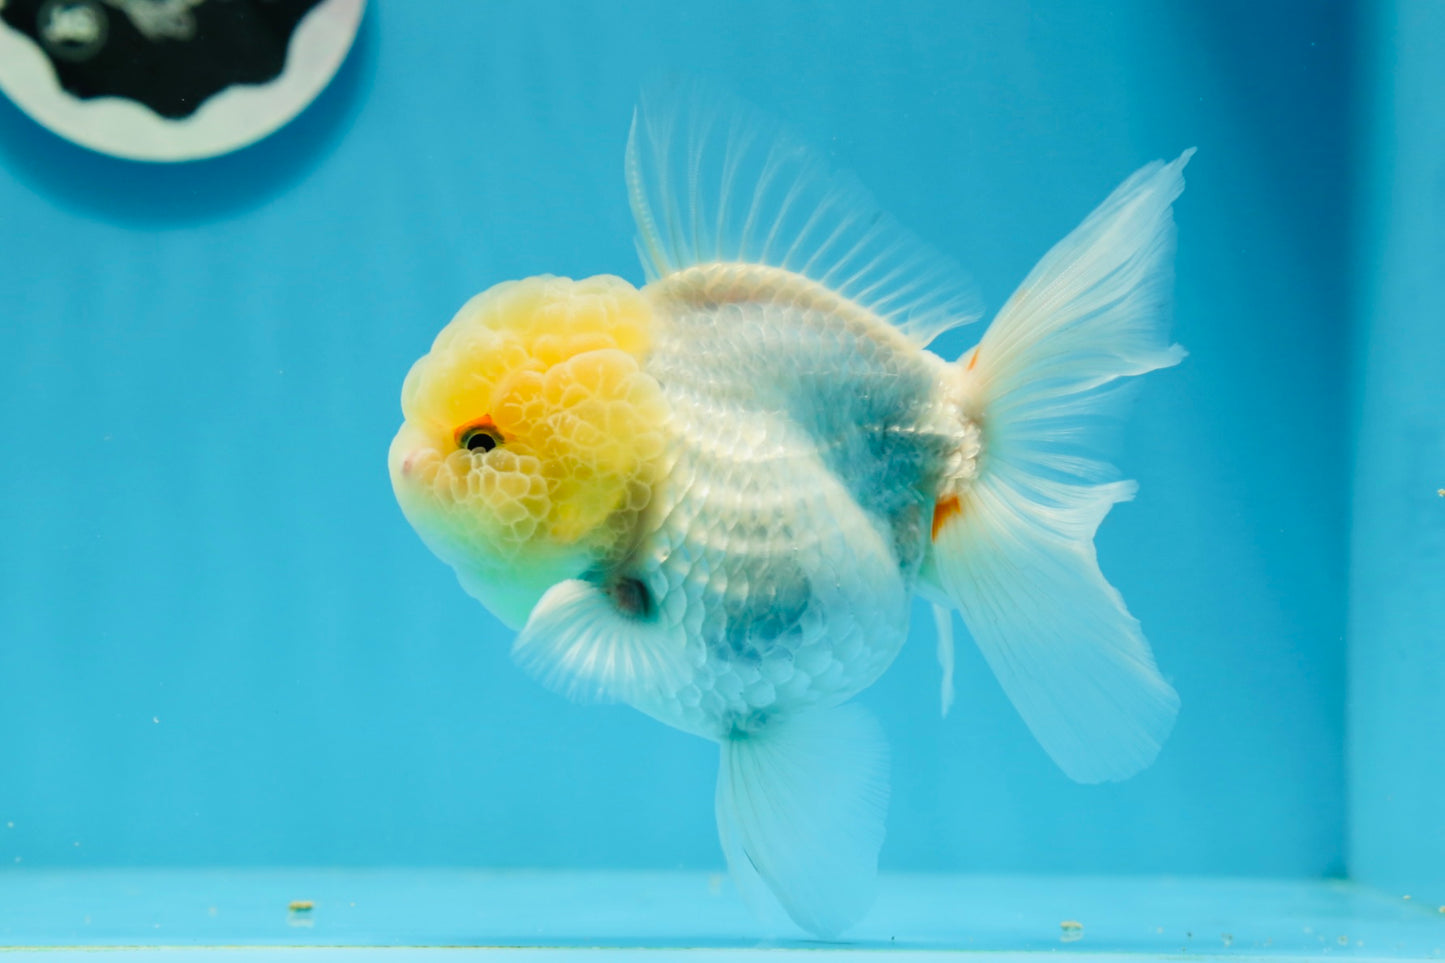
x,y
219,642
1397,612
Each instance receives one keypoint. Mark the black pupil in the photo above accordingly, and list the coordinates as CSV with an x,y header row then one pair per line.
x,y
480,441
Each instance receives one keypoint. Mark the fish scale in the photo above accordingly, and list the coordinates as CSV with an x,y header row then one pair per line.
x,y
747,540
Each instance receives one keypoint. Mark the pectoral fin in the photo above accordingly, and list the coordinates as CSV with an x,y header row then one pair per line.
x,y
592,645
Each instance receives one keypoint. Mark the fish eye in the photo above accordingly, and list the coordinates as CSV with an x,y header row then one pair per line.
x,y
480,438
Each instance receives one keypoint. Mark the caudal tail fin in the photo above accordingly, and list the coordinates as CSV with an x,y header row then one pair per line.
x,y
801,803
1014,545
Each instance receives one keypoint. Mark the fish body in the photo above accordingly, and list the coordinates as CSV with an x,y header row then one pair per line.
x,y
715,497
806,442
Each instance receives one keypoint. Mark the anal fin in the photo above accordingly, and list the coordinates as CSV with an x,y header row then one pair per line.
x,y
801,804
943,623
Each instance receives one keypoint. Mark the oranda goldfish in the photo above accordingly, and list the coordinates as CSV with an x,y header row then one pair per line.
x,y
713,498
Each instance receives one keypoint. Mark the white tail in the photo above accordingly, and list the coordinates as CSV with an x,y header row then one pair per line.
x,y
1014,546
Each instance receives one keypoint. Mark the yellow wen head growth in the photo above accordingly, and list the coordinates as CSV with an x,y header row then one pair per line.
x,y
531,435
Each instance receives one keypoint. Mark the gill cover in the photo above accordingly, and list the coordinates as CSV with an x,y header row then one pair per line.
x,y
550,369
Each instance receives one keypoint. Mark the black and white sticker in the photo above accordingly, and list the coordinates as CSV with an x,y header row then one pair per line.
x,y
170,80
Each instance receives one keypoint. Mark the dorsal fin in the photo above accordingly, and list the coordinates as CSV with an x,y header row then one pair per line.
x,y
712,179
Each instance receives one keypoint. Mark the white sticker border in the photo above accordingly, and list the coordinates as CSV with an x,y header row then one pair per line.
x,y
236,117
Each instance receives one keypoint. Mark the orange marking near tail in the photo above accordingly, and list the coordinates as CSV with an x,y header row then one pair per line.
x,y
972,360
945,509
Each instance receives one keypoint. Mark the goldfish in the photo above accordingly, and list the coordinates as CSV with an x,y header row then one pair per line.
x,y
714,498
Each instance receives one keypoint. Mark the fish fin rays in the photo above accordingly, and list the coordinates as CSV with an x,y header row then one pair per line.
x,y
751,887
1016,554
801,804
578,644
712,179
1066,651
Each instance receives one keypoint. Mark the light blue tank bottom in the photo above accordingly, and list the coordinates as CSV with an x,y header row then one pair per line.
x,y
244,915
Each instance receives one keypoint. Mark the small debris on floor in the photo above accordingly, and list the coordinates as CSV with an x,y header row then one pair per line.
x,y
1072,931
300,912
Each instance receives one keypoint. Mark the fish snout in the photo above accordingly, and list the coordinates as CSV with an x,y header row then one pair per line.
x,y
411,452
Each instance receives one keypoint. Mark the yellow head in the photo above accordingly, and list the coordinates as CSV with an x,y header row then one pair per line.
x,y
532,436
